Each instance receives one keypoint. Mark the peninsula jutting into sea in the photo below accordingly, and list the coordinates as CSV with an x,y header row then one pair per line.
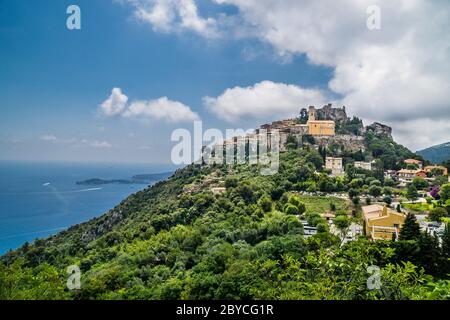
x,y
137,179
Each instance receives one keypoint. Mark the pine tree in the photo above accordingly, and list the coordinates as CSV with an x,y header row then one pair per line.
x,y
410,229
446,250
429,252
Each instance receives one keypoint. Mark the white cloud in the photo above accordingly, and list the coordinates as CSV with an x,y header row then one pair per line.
x,y
74,142
115,104
419,134
174,16
399,74
161,109
158,109
48,137
262,100
97,144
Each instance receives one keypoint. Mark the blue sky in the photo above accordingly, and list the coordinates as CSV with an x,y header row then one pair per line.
x,y
53,80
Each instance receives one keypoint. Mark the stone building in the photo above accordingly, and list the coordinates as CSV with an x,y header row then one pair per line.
x,y
363,165
335,165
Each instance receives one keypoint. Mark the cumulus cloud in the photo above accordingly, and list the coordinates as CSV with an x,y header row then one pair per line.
x,y
161,109
174,16
48,137
421,133
262,100
398,74
157,109
399,71
97,144
115,104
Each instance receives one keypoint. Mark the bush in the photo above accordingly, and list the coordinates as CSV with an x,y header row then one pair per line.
x,y
266,204
291,209
231,183
387,200
323,227
437,214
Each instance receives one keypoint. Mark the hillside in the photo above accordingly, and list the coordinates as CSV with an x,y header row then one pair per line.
x,y
179,240
436,154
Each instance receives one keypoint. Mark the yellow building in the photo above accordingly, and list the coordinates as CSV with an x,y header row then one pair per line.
x,y
381,222
428,169
319,127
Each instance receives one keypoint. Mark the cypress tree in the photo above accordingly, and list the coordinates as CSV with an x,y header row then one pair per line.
x,y
429,253
410,229
446,250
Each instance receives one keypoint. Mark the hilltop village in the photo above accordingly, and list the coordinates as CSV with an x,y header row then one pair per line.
x,y
346,145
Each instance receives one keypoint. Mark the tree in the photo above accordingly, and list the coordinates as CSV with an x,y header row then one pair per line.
x,y
398,208
420,183
429,252
437,213
446,249
437,172
375,191
387,200
266,204
356,201
445,192
439,181
291,209
342,223
388,182
352,193
435,193
411,192
410,229
387,191
322,227
276,193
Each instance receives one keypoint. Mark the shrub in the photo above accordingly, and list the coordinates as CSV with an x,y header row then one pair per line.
x,y
291,209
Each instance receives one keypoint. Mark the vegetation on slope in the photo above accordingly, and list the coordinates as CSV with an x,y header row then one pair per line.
x,y
177,240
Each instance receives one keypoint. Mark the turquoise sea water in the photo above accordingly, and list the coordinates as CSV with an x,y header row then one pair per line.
x,y
41,199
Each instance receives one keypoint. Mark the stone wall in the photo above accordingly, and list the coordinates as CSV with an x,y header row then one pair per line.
x,y
329,113
349,142
380,129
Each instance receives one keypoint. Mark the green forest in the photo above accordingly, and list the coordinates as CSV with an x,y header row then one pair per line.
x,y
179,240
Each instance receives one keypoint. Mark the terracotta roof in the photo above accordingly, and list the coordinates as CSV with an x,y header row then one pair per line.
x,y
410,171
412,161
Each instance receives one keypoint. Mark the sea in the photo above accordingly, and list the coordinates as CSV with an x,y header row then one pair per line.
x,y
41,199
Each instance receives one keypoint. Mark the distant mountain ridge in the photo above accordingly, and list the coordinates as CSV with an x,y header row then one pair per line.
x,y
436,154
